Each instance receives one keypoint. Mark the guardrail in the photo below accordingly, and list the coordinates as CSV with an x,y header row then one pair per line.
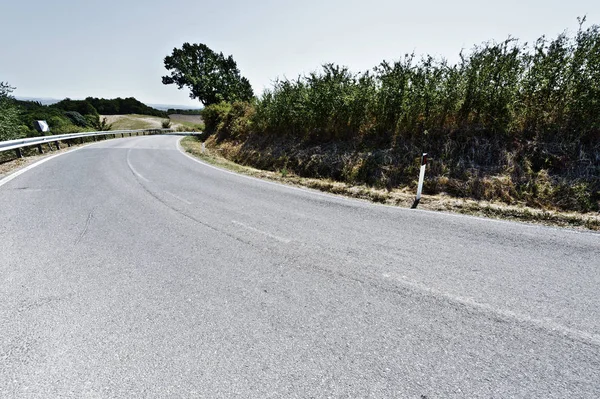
x,y
17,144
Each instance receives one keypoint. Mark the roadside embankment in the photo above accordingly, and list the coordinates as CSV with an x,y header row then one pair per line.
x,y
242,158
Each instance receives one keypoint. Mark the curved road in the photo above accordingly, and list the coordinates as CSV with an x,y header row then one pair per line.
x,y
131,270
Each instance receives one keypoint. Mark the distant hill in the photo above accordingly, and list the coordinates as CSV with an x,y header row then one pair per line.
x,y
41,100
161,107
70,116
121,106
166,107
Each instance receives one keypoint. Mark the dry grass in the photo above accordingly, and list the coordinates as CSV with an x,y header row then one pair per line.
x,y
133,122
193,119
397,197
187,122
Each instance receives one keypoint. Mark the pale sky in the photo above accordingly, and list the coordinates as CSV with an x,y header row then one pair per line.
x,y
78,48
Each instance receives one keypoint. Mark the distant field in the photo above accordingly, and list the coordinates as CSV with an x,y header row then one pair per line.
x,y
186,118
134,121
188,121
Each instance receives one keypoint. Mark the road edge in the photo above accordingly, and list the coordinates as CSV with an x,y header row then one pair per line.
x,y
570,229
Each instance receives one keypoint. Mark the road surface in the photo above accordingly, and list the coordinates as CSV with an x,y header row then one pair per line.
x,y
129,270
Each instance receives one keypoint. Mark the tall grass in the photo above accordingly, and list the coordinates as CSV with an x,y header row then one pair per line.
x,y
505,107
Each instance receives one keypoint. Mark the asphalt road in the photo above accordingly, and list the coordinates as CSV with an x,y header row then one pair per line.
x,y
129,270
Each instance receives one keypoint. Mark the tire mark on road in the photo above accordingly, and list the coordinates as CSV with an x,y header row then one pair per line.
x,y
209,226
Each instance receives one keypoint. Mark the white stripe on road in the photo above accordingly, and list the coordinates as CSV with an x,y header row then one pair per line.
x,y
544,324
280,239
135,172
38,163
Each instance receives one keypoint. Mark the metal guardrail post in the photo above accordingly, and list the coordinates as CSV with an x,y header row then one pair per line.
x,y
40,149
19,153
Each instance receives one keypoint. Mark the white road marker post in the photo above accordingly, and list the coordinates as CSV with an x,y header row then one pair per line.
x,y
421,179
203,147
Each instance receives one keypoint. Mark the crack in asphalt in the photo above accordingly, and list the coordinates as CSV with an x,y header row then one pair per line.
x,y
192,218
86,227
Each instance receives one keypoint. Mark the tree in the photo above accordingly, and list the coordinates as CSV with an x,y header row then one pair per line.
x,y
211,77
9,114
81,106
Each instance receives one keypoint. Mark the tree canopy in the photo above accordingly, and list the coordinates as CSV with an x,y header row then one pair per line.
x,y
210,76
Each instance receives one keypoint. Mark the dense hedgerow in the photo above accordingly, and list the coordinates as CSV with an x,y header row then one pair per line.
x,y
531,112
548,92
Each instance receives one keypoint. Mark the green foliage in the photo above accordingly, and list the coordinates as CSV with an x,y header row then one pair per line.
x,y
76,118
57,119
98,123
505,109
210,76
70,116
226,119
102,106
215,115
166,124
9,114
123,106
497,92
61,124
82,107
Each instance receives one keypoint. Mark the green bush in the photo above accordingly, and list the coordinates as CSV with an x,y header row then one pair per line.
x,y
9,114
492,123
215,116
497,93
98,123
82,107
76,118
123,106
